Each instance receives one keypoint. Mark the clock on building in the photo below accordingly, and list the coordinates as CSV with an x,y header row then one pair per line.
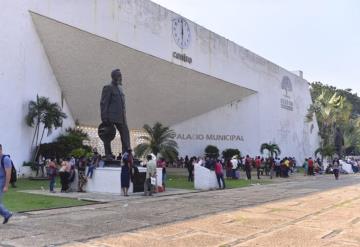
x,y
181,32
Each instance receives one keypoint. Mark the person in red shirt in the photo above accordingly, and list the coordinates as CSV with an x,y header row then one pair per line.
x,y
219,174
310,167
258,166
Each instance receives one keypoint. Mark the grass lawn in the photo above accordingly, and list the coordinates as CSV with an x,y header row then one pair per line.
x,y
180,182
17,201
238,183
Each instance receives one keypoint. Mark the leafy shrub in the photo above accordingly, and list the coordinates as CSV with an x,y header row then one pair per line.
x,y
212,151
65,144
81,152
230,152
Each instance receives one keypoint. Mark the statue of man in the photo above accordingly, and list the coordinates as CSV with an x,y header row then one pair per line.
x,y
113,111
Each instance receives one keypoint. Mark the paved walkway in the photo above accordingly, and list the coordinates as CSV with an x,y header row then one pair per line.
x,y
329,218
106,197
314,211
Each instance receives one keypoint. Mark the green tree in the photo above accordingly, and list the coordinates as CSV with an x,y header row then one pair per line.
x,y
62,147
212,151
230,152
326,151
316,89
272,148
332,111
159,139
337,118
81,152
45,114
352,137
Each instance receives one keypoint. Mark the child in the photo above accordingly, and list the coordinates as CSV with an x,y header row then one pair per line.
x,y
52,171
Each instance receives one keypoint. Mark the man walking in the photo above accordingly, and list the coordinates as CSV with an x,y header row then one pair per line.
x,y
5,176
248,162
150,173
258,166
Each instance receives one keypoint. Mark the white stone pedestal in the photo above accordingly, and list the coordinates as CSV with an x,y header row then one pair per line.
x,y
108,180
204,179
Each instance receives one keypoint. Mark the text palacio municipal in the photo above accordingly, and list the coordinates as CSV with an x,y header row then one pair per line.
x,y
209,137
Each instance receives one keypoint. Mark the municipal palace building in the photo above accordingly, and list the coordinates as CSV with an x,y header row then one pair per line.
x,y
207,88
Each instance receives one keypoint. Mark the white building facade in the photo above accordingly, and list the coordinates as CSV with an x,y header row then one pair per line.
x,y
207,88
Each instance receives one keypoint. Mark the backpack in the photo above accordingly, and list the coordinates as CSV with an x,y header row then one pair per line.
x,y
13,170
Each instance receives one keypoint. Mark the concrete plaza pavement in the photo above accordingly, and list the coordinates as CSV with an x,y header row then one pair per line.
x,y
311,211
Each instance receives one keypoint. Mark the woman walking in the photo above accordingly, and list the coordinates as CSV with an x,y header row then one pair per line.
x,y
125,173
81,174
219,174
64,176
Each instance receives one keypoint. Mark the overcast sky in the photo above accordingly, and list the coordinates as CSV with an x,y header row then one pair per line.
x,y
319,37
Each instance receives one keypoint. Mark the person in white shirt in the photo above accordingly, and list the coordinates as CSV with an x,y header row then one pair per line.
x,y
150,173
234,162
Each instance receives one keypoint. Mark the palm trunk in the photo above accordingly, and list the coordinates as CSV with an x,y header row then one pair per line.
x,y
33,139
36,134
38,146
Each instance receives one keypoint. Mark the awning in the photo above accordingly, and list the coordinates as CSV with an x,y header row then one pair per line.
x,y
156,90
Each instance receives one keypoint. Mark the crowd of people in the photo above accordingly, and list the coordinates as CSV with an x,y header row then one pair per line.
x,y
74,173
263,166
270,167
224,168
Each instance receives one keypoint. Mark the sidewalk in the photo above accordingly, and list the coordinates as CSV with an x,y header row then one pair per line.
x,y
106,221
323,219
106,197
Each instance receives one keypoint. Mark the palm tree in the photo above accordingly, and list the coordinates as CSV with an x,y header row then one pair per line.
x,y
272,148
158,140
46,114
326,151
352,137
332,111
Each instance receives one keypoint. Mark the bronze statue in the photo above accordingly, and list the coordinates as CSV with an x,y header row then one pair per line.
x,y
113,113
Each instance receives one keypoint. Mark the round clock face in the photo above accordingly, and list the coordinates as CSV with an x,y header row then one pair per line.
x,y
181,32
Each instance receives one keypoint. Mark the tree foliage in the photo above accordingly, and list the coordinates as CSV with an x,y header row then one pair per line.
x,y
230,152
62,147
326,151
317,88
159,139
212,151
46,115
272,148
337,112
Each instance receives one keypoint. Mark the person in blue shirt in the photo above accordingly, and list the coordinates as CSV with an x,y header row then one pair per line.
x,y
5,176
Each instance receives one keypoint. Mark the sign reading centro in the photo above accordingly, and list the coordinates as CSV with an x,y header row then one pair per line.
x,y
208,137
